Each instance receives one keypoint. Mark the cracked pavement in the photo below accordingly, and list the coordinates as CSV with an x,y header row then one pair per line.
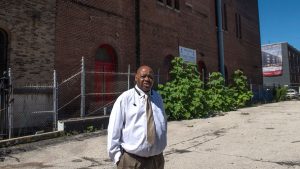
x,y
264,137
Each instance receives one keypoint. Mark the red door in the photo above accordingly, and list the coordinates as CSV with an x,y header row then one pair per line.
x,y
105,64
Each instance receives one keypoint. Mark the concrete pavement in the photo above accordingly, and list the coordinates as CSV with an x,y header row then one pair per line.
x,y
266,137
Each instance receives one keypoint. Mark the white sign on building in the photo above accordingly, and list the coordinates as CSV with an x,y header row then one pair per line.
x,y
187,54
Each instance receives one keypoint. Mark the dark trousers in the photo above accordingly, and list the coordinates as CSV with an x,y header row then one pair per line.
x,y
131,161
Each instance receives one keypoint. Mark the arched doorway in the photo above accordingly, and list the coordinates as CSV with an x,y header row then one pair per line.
x,y
203,71
105,64
167,66
3,84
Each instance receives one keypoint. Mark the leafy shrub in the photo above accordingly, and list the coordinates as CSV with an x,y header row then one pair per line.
x,y
184,95
218,96
241,92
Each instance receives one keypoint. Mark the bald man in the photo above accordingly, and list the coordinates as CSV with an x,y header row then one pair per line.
x,y
137,130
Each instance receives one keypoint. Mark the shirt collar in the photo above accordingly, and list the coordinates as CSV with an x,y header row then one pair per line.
x,y
142,93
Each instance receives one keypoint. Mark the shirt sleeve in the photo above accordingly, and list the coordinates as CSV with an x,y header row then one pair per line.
x,y
114,131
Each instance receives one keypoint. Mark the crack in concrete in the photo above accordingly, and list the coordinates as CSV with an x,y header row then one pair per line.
x,y
282,163
95,163
216,133
6,154
288,163
196,145
177,151
17,159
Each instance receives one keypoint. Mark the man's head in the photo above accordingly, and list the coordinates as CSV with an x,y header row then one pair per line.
x,y
144,78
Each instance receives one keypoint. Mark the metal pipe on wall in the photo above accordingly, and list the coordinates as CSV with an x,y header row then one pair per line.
x,y
220,36
137,33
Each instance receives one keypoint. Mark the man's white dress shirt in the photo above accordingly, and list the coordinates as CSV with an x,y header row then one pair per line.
x,y
127,127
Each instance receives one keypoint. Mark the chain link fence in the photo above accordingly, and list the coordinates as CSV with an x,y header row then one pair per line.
x,y
295,86
267,94
91,93
262,94
32,110
84,92
5,105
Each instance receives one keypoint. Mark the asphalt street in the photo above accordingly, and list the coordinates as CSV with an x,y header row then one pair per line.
x,y
264,137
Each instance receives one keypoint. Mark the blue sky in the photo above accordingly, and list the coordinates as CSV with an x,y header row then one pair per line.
x,y
280,21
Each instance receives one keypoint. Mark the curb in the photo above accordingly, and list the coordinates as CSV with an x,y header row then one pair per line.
x,y
29,139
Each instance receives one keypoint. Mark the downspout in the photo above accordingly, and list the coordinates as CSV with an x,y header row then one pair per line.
x,y
220,37
137,33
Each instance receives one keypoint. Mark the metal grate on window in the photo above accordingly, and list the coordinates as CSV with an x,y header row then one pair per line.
x,y
169,3
176,4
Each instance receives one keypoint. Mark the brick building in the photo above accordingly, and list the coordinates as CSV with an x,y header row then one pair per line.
x,y
27,31
242,39
39,36
44,35
27,47
150,32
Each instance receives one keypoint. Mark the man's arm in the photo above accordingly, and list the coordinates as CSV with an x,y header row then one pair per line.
x,y
114,131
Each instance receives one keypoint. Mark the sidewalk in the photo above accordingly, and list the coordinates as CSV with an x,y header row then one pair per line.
x,y
264,137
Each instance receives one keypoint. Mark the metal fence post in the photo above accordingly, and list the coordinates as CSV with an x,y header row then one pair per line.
x,y
55,101
259,93
10,115
251,89
82,107
128,77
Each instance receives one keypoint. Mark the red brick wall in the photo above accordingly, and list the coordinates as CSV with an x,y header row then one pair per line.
x,y
164,29
243,53
194,26
82,26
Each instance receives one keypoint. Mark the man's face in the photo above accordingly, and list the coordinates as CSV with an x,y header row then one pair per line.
x,y
144,78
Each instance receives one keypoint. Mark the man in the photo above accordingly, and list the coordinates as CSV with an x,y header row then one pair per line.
x,y
137,130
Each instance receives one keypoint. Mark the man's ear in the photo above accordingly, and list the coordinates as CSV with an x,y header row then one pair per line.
x,y
135,78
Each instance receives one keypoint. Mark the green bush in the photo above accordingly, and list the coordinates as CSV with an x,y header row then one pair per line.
x,y
184,95
280,93
218,95
241,92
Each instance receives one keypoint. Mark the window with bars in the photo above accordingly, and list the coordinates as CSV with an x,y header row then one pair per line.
x,y
169,3
174,4
238,26
224,16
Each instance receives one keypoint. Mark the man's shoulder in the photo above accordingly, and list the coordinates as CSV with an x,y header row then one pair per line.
x,y
126,93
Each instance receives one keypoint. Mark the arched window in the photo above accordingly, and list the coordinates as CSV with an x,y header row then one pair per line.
x,y
3,52
106,59
168,66
105,63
